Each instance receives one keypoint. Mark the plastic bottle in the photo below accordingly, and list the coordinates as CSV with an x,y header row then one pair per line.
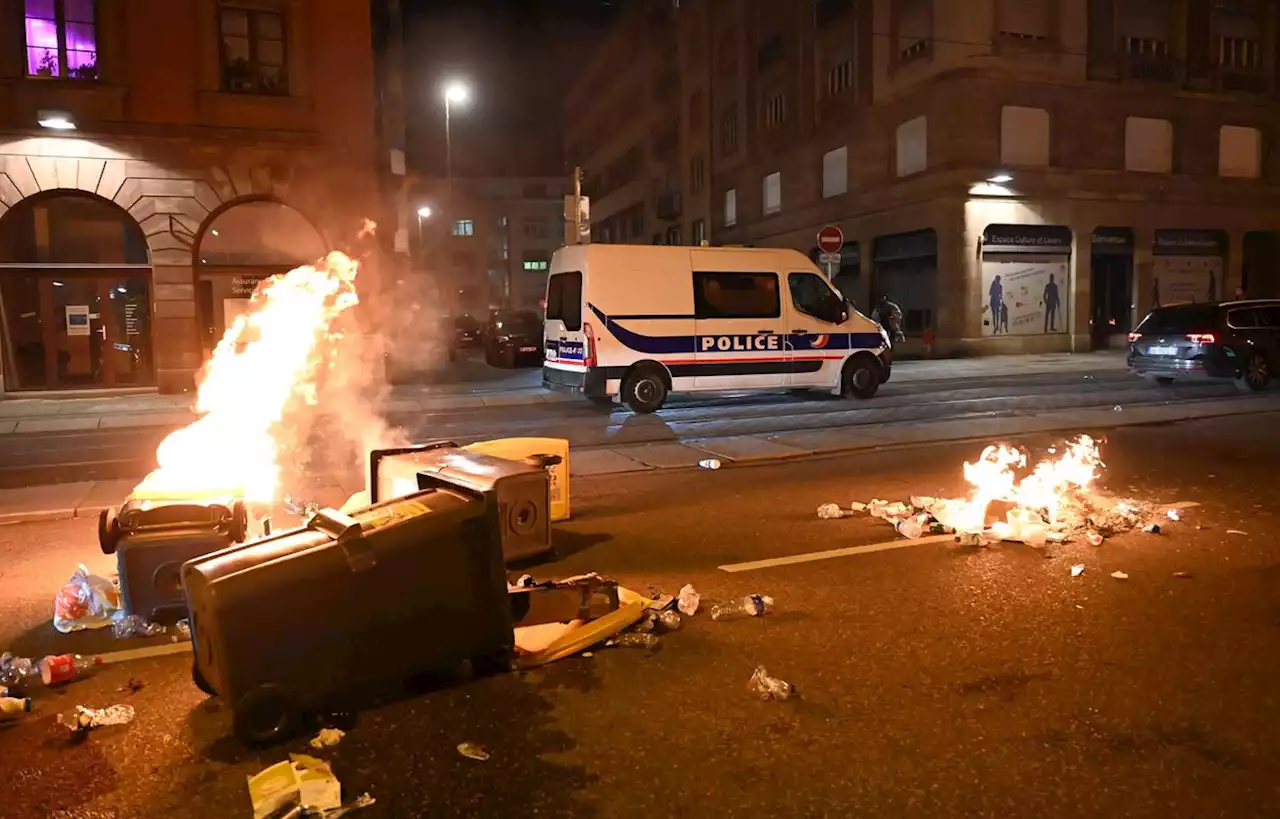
x,y
753,605
87,718
830,511
13,707
66,667
709,463
16,672
909,527
769,688
636,640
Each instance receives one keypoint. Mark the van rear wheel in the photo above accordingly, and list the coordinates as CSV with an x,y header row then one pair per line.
x,y
861,377
644,390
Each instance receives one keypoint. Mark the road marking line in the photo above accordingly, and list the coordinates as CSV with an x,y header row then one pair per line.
x,y
810,557
832,553
147,652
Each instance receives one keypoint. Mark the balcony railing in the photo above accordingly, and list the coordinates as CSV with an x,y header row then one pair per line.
x,y
1150,68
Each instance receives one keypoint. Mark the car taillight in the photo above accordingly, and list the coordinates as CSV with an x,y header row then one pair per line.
x,y
1202,338
1135,336
589,341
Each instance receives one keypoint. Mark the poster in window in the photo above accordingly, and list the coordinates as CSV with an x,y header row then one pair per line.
x,y
77,319
1024,297
133,318
1180,279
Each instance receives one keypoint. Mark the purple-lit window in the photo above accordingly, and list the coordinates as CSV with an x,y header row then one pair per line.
x,y
61,41
253,51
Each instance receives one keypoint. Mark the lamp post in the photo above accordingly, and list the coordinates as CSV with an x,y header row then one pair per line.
x,y
424,213
455,92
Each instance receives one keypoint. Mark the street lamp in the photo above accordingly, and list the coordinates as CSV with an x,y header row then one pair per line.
x,y
455,93
424,212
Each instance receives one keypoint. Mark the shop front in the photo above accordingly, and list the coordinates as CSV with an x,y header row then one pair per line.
x,y
1110,287
1025,280
1187,266
75,295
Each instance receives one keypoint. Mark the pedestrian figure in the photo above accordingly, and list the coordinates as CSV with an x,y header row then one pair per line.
x,y
1051,300
996,298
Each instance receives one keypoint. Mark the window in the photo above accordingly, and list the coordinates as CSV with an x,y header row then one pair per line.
x,y
1239,52
915,28
535,228
1024,136
840,78
564,300
775,111
61,39
735,295
1239,35
835,172
729,130
1146,47
913,146
464,227
1239,152
673,235
699,232
1023,19
535,264
697,174
770,52
772,190
731,207
253,51
811,296
1148,145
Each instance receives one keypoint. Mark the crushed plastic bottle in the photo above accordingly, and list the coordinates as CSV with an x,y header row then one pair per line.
x,y
131,625
910,527
670,620
633,639
709,463
688,600
17,673
753,605
1173,514
85,719
857,507
830,511
63,668
14,707
769,688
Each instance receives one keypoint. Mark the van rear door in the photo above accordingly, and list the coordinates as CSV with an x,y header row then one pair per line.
x,y
562,331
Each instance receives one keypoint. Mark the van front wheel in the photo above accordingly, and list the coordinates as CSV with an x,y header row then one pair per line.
x,y
644,390
861,377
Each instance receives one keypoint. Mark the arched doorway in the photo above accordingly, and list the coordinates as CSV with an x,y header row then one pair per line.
x,y
75,295
241,246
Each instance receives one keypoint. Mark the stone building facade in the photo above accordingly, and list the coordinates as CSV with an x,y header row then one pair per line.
x,y
144,192
1018,175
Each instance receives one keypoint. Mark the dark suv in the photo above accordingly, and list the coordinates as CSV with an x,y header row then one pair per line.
x,y
1233,339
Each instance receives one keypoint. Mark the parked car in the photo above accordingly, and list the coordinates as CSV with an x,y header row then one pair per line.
x,y
513,337
466,332
1227,340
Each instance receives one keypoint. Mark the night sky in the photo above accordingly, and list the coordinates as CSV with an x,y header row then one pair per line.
x,y
517,56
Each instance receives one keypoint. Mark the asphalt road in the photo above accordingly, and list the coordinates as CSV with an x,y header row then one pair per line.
x,y
29,459
934,680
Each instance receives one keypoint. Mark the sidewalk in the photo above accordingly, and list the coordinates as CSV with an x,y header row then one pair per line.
x,y
19,415
86,499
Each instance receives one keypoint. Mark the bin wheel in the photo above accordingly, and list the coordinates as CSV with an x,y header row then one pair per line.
x,y
239,522
264,714
200,682
108,531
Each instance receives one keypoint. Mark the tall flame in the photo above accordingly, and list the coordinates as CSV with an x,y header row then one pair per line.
x,y
268,358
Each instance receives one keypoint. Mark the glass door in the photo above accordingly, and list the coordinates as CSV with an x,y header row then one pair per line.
x,y
97,331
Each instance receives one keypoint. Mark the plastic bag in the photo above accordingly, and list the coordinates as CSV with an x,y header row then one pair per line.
x,y
86,601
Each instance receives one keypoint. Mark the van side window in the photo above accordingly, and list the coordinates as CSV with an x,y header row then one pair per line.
x,y
735,295
564,300
811,296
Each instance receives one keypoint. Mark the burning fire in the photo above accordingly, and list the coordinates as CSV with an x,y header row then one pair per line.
x,y
268,358
1049,490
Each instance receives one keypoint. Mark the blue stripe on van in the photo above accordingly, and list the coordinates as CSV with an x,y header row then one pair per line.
x,y
674,345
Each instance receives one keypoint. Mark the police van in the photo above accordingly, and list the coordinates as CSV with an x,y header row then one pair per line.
x,y
640,322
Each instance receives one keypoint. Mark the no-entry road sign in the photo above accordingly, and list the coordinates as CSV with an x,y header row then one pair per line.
x,y
830,239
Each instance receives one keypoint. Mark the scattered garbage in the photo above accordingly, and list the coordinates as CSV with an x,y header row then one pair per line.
x,y
1237,532
131,625
830,511
1118,575
86,719
1094,538
970,539
14,707
1077,570
709,463
16,672
1117,408
132,686
301,783
1173,514
753,605
183,628
1152,528
769,688
670,620
636,639
688,600
327,738
1182,575
473,751
86,601
63,668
